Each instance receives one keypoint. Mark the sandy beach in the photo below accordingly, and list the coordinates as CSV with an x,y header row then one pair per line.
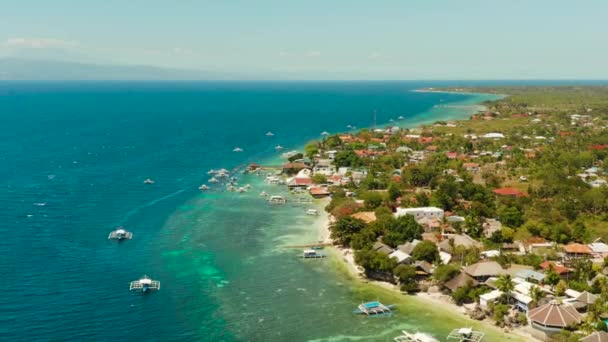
x,y
345,256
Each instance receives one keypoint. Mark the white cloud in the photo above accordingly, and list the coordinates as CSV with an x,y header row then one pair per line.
x,y
313,53
38,43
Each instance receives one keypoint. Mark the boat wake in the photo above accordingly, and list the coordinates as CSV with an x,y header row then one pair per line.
x,y
149,204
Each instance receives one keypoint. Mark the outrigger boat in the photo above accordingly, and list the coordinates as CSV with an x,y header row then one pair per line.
x,y
120,234
278,147
374,309
237,149
264,194
144,284
277,200
466,335
415,337
311,254
148,181
213,180
312,212
203,187
211,172
269,134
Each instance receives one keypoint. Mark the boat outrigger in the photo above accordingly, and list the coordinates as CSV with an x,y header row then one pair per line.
x,y
120,234
144,284
415,337
466,335
374,309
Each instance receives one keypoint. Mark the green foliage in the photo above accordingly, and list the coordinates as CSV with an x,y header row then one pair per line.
x,y
561,288
319,179
393,191
443,273
373,199
552,277
505,284
510,216
402,229
344,229
500,311
427,251
347,158
311,149
373,261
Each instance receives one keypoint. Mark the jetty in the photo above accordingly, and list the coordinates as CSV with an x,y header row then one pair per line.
x,y
466,335
374,309
120,234
144,284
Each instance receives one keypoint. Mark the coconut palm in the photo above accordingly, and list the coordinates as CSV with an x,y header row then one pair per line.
x,y
536,293
505,284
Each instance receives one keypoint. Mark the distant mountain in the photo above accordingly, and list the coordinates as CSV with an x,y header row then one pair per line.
x,y
33,69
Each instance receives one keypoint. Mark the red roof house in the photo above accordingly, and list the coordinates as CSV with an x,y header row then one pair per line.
x,y
510,192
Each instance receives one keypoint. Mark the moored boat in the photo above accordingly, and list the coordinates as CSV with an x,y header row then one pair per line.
x,y
148,181
144,284
374,309
415,337
203,187
120,234
311,254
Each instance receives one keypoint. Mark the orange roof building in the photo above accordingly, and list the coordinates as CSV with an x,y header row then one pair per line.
x,y
510,192
577,248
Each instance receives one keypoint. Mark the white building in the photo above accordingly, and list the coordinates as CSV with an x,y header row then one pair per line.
x,y
421,212
324,167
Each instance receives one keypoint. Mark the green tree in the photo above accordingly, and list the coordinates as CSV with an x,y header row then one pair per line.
x,y
347,158
511,216
311,149
295,157
344,229
561,288
427,251
403,229
552,277
505,284
536,293
443,273
393,191
319,179
500,312
372,199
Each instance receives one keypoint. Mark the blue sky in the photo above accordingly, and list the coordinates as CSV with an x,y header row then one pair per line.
x,y
407,39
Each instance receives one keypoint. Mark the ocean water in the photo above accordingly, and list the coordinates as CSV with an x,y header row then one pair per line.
x,y
73,157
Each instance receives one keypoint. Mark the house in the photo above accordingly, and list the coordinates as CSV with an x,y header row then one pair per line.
x,y
365,216
299,182
471,167
462,279
483,270
420,212
400,256
490,297
577,250
553,317
408,247
457,240
491,226
292,168
382,248
599,249
531,276
509,192
493,136
423,269
319,192
561,270
324,167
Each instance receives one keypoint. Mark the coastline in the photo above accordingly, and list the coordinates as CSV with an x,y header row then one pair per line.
x,y
437,303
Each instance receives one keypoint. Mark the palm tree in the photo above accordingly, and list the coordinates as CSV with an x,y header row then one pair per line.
x,y
536,294
505,284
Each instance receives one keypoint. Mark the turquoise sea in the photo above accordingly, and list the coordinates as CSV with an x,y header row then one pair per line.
x,y
73,157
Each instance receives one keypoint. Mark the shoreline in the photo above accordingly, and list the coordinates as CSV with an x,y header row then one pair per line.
x,y
344,257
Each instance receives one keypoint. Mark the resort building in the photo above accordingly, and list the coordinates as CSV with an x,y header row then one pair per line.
x,y
481,271
420,212
462,279
553,317
577,250
324,167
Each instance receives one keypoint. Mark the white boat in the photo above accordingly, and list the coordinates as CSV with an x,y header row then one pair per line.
x,y
325,133
312,212
400,117
269,134
203,187
415,337
278,147
247,186
466,335
144,284
148,181
231,188
213,180
237,149
221,174
273,180
311,254
120,234
391,120
211,172
264,194
277,200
